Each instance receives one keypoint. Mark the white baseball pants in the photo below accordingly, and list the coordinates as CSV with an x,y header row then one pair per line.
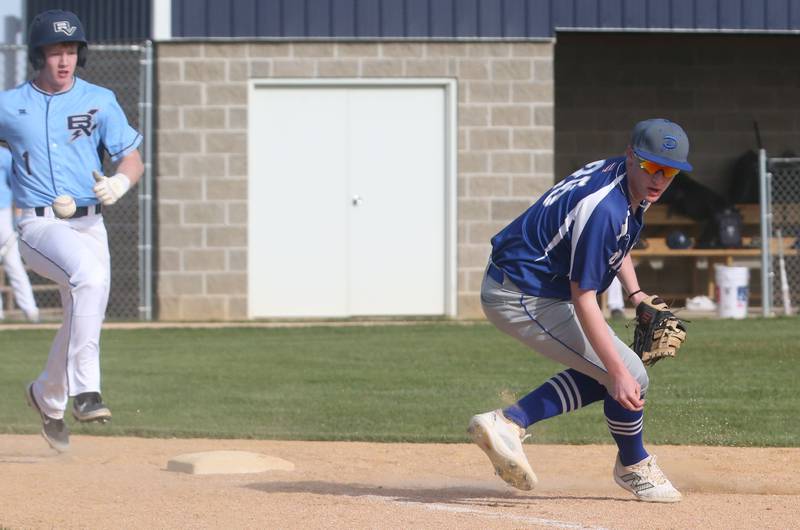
x,y
74,254
15,270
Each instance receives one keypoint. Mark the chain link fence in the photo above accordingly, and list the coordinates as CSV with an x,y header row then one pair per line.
x,y
128,71
782,186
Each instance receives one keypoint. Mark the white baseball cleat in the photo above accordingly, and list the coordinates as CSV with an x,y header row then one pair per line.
x,y
646,481
501,440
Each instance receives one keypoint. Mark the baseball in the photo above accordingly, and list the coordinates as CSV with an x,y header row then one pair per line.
x,y
64,206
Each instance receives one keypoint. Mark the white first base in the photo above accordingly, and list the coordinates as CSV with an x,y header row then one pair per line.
x,y
222,462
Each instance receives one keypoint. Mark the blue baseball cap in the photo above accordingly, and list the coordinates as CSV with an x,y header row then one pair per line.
x,y
663,142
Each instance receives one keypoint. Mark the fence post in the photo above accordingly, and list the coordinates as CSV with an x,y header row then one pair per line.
x,y
146,184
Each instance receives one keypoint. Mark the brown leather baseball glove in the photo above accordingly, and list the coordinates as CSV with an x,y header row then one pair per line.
x,y
659,333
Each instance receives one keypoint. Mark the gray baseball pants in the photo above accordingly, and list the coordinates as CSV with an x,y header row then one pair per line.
x,y
551,327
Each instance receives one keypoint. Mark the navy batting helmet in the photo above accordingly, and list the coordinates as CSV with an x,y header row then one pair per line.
x,y
678,240
52,27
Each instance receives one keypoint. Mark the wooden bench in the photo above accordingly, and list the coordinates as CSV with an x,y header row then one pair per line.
x,y
659,221
657,249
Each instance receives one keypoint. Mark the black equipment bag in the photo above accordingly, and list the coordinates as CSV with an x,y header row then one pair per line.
x,y
729,228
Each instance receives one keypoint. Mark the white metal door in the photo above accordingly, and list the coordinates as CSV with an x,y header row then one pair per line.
x,y
347,211
297,233
397,228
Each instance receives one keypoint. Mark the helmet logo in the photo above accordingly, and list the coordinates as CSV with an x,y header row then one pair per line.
x,y
670,142
64,27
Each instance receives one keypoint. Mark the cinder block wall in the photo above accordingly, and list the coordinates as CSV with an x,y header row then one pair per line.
x,y
505,151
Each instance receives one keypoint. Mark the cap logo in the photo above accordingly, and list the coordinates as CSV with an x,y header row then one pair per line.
x,y
670,143
64,27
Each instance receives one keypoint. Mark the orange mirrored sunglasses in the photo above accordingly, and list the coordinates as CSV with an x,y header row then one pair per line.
x,y
652,168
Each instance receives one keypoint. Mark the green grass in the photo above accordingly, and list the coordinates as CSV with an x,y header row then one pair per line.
x,y
734,383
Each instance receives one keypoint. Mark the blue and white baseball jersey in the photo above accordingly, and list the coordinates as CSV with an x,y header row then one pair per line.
x,y
5,177
57,140
580,230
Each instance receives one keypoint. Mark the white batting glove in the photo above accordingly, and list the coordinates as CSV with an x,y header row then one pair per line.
x,y
110,189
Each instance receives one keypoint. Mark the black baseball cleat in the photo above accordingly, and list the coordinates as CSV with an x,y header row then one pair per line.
x,y
89,407
55,432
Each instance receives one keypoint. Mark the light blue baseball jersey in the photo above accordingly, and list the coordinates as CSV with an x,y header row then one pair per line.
x,y
579,230
57,140
5,177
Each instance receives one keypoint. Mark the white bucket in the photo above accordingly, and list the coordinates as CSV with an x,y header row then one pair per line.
x,y
732,291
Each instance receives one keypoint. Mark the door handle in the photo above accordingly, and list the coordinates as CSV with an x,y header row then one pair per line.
x,y
357,200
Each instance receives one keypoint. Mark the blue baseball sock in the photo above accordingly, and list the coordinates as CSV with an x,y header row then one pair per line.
x,y
569,390
626,428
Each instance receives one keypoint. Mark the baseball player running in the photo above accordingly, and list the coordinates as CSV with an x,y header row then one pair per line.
x,y
9,249
57,125
541,287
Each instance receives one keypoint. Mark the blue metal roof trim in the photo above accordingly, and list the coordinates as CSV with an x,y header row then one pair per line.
x,y
472,19
362,19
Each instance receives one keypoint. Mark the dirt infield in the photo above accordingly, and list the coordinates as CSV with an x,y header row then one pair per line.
x,y
123,483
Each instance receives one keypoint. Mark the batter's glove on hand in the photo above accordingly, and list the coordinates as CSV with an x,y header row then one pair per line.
x,y
659,333
110,189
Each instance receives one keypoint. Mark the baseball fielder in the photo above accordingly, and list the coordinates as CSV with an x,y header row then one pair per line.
x,y
57,125
541,287
9,250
